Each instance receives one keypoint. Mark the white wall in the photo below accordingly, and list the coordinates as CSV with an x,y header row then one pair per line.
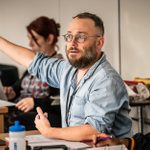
x,y
16,14
135,38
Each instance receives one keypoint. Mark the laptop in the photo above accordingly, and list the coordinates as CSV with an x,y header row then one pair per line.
x,y
2,94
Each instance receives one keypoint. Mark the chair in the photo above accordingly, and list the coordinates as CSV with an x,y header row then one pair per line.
x,y
8,74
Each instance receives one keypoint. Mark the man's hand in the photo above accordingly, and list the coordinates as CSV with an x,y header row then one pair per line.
x,y
108,142
25,104
10,93
41,122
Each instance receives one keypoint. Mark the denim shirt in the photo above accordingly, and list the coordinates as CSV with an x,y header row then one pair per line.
x,y
100,99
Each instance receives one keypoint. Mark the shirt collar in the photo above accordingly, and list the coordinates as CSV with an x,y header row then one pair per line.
x,y
94,67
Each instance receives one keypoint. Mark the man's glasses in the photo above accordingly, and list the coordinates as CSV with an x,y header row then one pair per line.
x,y
80,37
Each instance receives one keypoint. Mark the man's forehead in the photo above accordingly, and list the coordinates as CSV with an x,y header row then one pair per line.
x,y
81,25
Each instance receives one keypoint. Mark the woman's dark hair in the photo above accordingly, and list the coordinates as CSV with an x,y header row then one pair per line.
x,y
44,26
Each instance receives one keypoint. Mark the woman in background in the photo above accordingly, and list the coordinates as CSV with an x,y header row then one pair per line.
x,y
29,92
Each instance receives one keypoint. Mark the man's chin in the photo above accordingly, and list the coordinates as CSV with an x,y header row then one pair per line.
x,y
72,61
73,57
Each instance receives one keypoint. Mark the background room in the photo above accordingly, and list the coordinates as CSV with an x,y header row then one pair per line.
x,y
126,31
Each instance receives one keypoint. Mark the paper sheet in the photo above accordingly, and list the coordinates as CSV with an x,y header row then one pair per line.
x,y
39,140
116,147
6,103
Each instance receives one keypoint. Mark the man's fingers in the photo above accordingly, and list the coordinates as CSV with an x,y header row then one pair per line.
x,y
40,112
46,114
36,118
105,143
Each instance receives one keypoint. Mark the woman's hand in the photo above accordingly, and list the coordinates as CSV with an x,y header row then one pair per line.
x,y
25,104
9,91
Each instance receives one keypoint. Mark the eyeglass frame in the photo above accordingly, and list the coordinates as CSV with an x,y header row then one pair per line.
x,y
76,38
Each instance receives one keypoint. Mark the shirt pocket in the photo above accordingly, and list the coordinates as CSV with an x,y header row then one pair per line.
x,y
77,107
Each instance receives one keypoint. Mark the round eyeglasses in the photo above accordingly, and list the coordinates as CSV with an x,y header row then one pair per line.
x,y
80,37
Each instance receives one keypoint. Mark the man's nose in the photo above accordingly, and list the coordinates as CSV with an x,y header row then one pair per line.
x,y
73,41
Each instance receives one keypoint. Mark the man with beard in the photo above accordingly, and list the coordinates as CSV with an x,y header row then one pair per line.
x,y
93,96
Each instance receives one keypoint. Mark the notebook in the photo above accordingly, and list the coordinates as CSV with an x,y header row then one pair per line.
x,y
40,140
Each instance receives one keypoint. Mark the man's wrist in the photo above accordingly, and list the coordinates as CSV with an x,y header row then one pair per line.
x,y
125,141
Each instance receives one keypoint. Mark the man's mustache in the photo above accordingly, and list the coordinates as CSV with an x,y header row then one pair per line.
x,y
73,49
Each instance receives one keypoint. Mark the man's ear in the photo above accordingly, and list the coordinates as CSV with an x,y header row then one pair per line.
x,y
50,39
100,42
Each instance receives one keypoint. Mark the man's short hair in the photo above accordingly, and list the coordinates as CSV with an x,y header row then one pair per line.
x,y
97,20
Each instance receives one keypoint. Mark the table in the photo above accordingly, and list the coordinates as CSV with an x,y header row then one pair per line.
x,y
140,105
69,144
3,110
4,135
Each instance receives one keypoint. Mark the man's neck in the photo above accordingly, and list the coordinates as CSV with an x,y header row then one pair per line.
x,y
81,73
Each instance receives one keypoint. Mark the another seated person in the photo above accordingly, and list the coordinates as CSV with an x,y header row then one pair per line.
x,y
30,92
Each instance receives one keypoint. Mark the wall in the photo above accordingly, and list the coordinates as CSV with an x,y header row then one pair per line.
x,y
135,41
16,14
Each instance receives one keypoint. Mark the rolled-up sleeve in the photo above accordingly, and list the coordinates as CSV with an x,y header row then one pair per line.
x,y
104,104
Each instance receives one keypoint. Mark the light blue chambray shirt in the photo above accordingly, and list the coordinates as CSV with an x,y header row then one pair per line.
x,y
100,99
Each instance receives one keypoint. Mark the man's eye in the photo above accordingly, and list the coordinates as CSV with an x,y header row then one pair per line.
x,y
81,36
69,36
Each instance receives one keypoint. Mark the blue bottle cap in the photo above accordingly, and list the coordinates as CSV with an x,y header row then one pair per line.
x,y
16,127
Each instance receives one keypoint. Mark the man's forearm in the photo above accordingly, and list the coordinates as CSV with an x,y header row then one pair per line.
x,y
18,53
75,133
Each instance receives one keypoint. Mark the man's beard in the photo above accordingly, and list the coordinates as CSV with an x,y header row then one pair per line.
x,y
88,57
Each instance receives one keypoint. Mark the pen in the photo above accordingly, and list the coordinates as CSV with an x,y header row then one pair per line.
x,y
98,139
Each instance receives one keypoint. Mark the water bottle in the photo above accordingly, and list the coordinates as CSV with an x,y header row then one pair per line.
x,y
17,137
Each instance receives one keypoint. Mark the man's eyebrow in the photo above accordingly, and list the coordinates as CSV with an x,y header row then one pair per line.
x,y
82,32
69,32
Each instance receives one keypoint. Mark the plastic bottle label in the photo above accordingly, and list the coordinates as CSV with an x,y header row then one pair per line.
x,y
15,146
